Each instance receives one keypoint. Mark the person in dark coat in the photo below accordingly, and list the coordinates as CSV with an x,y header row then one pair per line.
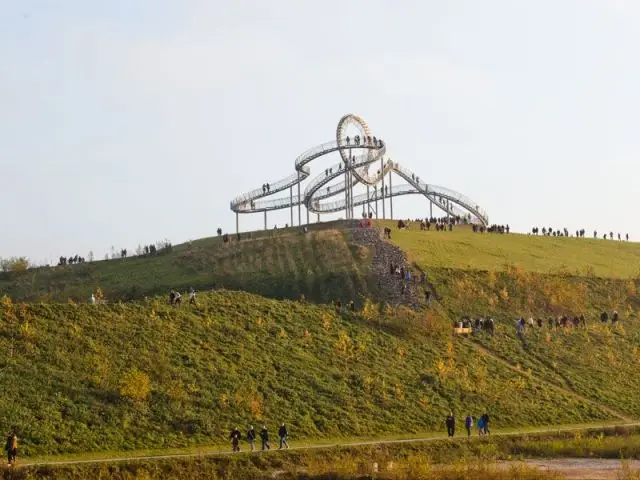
x,y
235,439
264,438
251,438
12,448
283,433
451,424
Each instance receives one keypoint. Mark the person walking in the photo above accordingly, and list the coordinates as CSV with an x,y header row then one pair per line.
x,y
485,421
468,424
192,296
12,448
235,439
481,426
283,433
251,437
451,424
264,438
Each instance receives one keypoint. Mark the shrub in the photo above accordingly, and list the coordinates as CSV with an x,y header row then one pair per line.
x,y
135,386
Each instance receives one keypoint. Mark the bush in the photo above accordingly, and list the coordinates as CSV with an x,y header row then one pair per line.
x,y
135,386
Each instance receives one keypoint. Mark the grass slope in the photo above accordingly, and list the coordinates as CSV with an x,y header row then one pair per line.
x,y
239,359
322,265
465,250
599,362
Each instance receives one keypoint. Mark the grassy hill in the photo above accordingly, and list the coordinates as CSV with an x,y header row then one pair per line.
x,y
465,250
322,265
140,375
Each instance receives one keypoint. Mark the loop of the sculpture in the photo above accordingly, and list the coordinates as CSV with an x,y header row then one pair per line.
x,y
363,127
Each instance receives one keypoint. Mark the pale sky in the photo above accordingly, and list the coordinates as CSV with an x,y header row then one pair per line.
x,y
131,121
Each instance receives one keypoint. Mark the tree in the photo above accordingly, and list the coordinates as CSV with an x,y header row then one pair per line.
x,y
14,264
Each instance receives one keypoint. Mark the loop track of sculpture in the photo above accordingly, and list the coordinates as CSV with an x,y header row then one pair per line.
x,y
361,162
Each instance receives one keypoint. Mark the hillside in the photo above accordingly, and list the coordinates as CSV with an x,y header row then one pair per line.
x,y
506,282
323,265
465,250
138,375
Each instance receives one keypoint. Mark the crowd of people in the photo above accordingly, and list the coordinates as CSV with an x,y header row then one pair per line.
x,y
491,229
251,436
552,232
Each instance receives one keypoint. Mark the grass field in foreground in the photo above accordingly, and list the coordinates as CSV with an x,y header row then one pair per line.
x,y
463,249
80,378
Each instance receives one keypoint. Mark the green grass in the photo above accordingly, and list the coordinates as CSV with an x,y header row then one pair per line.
x,y
239,359
322,265
465,250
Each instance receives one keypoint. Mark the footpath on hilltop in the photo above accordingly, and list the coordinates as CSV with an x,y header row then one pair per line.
x,y
144,374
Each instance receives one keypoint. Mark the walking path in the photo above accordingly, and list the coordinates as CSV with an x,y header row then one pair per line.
x,y
210,453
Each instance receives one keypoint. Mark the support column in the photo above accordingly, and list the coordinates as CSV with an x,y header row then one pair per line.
x,y
299,213
375,192
382,174
390,195
318,219
265,219
307,215
291,203
368,202
237,223
346,187
430,209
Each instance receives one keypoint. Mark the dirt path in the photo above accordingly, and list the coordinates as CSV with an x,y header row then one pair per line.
x,y
160,456
567,391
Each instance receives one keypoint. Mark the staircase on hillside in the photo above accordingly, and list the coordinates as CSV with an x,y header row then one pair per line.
x,y
385,253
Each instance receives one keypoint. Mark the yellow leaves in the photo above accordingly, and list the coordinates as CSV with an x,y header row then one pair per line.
x,y
367,383
369,310
224,400
631,288
135,386
326,322
401,351
344,345
504,294
255,405
399,392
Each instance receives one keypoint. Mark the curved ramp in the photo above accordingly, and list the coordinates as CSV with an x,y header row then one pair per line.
x,y
360,155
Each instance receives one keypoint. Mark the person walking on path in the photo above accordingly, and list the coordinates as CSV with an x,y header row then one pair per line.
x,y
192,297
283,436
12,448
451,424
485,421
251,437
481,426
468,424
235,439
264,438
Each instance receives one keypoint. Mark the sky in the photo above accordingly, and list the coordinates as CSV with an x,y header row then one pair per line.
x,y
131,121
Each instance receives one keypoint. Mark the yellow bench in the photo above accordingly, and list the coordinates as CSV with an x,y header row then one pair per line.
x,y
462,330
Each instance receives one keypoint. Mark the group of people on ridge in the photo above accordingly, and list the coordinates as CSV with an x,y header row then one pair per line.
x,y
236,436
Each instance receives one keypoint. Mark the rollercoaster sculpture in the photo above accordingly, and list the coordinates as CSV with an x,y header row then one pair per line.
x,y
361,162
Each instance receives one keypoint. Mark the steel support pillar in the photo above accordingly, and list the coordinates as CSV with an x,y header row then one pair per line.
x,y
265,219
318,219
237,223
382,191
390,195
430,209
368,202
307,216
291,203
299,212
